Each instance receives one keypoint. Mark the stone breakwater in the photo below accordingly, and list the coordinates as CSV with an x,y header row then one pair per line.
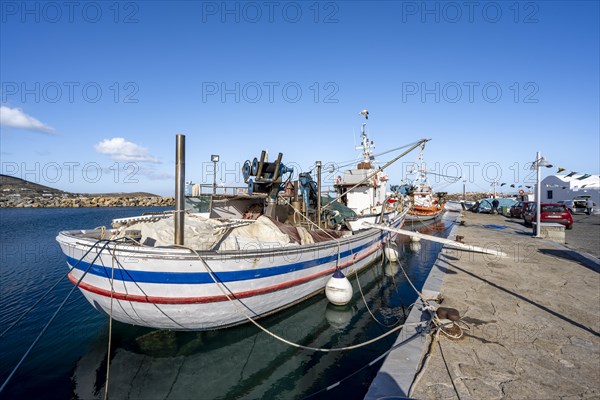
x,y
87,201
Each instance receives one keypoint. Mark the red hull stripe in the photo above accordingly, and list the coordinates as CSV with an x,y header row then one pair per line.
x,y
211,299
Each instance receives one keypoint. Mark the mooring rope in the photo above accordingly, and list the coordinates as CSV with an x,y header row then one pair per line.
x,y
439,326
14,370
48,291
231,297
367,306
112,291
370,364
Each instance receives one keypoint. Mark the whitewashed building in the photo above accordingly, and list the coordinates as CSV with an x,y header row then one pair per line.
x,y
560,187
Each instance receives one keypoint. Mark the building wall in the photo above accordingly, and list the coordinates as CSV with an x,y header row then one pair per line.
x,y
555,185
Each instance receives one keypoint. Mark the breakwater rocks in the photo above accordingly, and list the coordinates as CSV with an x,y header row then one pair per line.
x,y
86,201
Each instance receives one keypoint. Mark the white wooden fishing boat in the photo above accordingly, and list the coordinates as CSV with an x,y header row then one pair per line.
x,y
257,254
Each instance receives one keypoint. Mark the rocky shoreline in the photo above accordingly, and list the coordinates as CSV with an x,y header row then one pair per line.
x,y
86,201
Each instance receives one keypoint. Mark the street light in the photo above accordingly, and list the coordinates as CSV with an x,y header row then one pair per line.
x,y
539,162
494,184
215,159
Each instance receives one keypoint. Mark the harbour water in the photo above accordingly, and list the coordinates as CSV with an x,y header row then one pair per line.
x,y
239,362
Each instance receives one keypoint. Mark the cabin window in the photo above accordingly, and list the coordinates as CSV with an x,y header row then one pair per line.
x,y
549,195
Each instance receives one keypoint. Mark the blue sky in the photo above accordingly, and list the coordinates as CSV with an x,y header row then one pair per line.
x,y
93,93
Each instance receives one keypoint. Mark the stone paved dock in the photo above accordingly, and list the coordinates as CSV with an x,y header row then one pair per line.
x,y
534,317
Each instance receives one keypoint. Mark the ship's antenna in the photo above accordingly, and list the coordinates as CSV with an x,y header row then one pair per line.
x,y
366,146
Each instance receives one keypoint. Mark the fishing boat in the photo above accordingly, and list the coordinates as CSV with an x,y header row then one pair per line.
x,y
425,205
257,253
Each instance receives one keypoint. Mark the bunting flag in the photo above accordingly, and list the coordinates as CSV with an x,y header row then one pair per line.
x,y
528,187
584,176
502,184
513,185
570,174
583,186
560,170
520,186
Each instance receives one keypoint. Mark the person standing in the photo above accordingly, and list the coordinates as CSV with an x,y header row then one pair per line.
x,y
589,205
495,204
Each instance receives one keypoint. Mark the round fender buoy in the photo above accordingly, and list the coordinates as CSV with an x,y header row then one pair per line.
x,y
338,289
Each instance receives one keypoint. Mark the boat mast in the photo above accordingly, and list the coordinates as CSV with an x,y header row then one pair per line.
x,y
366,145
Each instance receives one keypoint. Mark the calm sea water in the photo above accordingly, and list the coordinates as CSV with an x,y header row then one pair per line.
x,y
239,362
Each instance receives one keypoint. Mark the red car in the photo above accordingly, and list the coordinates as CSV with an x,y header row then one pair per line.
x,y
551,212
518,209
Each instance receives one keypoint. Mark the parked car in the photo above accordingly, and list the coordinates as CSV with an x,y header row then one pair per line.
x,y
576,205
517,209
550,212
570,204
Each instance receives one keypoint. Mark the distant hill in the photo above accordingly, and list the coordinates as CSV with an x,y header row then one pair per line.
x,y
11,186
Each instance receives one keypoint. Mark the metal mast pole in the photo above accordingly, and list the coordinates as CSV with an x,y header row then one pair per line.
x,y
318,193
179,188
538,193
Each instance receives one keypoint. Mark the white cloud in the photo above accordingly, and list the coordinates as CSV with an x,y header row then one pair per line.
x,y
16,118
120,149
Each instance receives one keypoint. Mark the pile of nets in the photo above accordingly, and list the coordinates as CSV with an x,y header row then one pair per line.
x,y
210,234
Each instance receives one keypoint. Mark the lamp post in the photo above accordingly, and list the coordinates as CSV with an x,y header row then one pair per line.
x,y
494,184
539,162
215,159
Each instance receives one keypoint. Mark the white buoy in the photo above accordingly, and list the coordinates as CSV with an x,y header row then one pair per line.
x,y
338,289
391,252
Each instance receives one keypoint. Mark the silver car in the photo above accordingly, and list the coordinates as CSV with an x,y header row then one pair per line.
x,y
575,205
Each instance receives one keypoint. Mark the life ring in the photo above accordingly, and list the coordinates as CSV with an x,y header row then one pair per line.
x,y
521,191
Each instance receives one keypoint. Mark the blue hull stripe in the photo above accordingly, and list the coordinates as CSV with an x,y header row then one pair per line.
x,y
204,277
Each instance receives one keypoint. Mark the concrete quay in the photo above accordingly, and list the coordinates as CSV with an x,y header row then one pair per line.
x,y
534,320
